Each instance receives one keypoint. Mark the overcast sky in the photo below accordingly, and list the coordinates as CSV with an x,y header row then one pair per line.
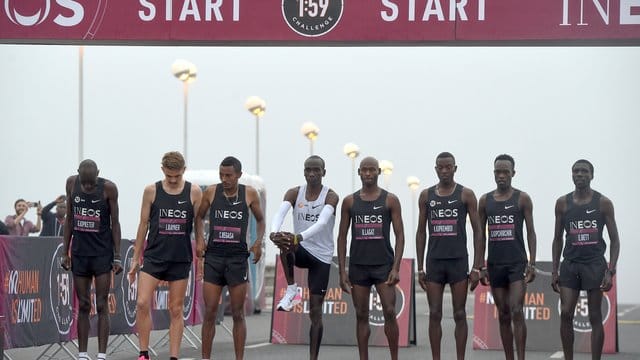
x,y
545,106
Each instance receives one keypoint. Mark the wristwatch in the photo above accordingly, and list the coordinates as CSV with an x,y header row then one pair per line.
x,y
612,271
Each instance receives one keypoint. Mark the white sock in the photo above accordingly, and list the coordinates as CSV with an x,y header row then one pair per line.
x,y
102,356
83,356
292,288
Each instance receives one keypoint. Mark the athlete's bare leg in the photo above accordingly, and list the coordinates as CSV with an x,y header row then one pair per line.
x,y
288,259
177,291
82,285
568,300
211,296
102,283
594,297
388,299
434,298
146,285
237,295
316,329
517,291
459,300
501,297
360,296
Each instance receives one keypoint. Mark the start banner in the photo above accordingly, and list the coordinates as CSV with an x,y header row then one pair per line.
x,y
308,22
542,317
338,312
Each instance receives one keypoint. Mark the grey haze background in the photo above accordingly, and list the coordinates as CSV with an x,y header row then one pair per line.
x,y
545,106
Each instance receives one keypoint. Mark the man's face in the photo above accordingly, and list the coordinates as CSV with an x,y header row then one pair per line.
x,y
173,177
229,177
21,207
61,209
88,177
445,169
503,173
581,174
313,171
369,171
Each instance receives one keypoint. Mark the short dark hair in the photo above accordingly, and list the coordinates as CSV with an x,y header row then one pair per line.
x,y
88,164
446,154
584,161
232,161
17,201
506,157
316,157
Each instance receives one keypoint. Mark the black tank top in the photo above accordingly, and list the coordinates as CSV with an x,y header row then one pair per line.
x,y
170,225
228,221
504,223
91,221
447,220
370,225
583,225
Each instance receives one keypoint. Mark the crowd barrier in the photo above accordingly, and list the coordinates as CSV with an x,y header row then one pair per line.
x,y
338,313
39,305
542,317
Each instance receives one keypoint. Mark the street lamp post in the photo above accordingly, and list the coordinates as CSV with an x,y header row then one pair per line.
x,y
257,107
352,151
310,131
386,167
80,103
413,183
185,72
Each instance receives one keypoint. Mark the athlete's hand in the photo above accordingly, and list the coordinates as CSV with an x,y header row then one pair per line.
x,y
393,278
345,284
256,249
474,280
200,269
201,249
530,274
116,266
484,277
283,240
555,281
607,281
422,280
135,267
66,262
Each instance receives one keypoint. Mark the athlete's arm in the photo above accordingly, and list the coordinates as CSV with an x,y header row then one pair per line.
x,y
527,209
398,230
482,218
556,246
421,237
287,203
606,207
148,195
469,198
345,221
205,204
111,190
196,199
68,225
329,210
256,209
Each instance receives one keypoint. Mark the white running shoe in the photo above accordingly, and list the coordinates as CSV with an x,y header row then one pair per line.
x,y
290,299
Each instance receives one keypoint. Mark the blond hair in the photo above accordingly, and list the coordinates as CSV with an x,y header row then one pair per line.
x,y
173,160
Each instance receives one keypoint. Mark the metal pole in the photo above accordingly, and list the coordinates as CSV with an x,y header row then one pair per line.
x,y
310,147
257,145
80,104
414,205
186,101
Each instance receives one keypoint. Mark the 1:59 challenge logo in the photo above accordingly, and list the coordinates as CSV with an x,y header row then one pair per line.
x,y
312,17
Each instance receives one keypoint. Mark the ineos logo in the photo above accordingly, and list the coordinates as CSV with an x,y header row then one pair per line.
x,y
65,13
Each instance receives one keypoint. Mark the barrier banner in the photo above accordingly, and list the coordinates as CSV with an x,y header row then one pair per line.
x,y
542,317
282,22
338,313
38,299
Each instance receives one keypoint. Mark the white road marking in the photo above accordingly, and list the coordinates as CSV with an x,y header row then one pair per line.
x,y
557,355
255,346
628,310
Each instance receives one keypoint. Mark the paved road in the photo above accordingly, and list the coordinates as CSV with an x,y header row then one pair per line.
x,y
258,327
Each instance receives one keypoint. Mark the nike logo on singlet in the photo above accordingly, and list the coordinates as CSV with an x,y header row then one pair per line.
x,y
315,207
377,207
95,201
590,211
451,201
182,202
508,207
236,203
